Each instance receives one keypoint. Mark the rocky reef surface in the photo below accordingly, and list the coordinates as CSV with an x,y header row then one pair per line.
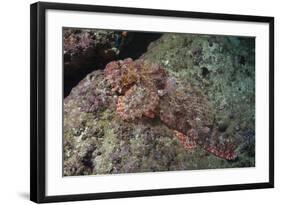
x,y
86,50
223,67
98,139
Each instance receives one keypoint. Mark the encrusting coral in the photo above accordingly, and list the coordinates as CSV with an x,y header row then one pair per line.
x,y
146,90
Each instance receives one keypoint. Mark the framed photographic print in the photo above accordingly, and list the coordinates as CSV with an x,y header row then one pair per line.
x,y
129,102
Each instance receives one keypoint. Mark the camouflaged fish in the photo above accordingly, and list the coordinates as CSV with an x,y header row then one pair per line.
x,y
146,90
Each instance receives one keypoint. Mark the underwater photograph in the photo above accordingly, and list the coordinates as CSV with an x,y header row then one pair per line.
x,y
138,101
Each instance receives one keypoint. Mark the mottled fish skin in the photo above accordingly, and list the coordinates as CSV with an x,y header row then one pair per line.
x,y
186,110
185,107
187,142
146,90
138,101
137,84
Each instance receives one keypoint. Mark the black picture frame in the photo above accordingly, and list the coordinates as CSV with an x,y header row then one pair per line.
x,y
38,101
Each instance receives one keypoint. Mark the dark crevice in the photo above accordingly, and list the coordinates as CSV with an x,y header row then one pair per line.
x,y
134,48
138,45
205,71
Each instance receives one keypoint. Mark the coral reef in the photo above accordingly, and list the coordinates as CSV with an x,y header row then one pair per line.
x,y
86,50
223,67
180,106
81,45
188,103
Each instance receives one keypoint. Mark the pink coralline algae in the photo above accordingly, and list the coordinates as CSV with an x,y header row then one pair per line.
x,y
146,90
